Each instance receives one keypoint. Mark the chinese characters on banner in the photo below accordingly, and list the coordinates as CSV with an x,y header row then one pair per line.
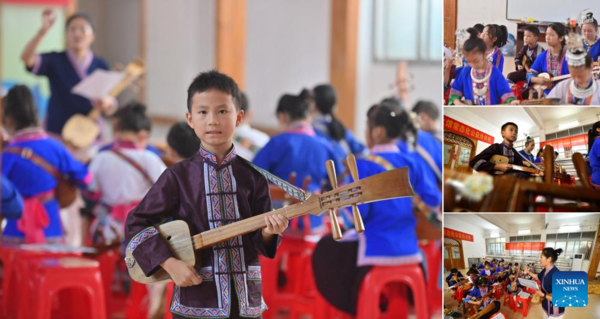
x,y
451,233
525,246
455,126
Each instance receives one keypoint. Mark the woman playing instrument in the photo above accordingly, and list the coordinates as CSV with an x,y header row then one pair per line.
x,y
548,258
582,88
552,61
480,83
66,69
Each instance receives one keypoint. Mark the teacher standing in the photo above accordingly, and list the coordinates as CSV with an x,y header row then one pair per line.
x,y
66,69
547,259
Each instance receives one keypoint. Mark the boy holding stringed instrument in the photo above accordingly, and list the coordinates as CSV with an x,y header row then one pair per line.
x,y
212,189
503,158
528,54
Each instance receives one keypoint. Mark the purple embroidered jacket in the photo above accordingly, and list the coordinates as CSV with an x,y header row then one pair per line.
x,y
207,196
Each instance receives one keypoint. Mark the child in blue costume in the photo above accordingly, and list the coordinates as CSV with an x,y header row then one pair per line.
x,y
480,83
34,182
553,60
326,125
495,36
389,237
589,30
298,149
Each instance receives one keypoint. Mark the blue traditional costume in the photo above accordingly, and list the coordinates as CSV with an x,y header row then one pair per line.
x,y
36,184
481,88
547,62
301,151
348,145
594,157
389,238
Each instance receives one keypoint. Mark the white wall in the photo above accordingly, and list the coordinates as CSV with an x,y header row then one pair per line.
x,y
287,49
475,249
180,44
589,116
374,78
471,12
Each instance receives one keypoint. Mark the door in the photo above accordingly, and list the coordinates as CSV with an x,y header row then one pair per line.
x,y
458,152
453,254
450,24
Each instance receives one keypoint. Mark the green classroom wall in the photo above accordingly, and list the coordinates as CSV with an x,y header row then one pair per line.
x,y
19,24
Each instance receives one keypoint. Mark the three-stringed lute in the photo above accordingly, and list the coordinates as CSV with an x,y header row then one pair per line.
x,y
387,185
499,159
541,87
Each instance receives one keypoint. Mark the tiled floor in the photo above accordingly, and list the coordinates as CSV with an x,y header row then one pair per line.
x,y
536,311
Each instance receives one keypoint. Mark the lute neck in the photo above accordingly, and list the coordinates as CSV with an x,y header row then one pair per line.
x,y
247,225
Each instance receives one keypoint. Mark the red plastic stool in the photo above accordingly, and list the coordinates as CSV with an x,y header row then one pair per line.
x,y
511,302
299,294
168,299
108,262
52,275
380,276
524,309
137,301
7,257
433,253
19,270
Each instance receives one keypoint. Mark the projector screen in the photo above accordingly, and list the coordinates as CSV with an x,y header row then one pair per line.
x,y
549,10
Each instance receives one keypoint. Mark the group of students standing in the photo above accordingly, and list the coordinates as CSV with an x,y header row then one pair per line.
x,y
482,80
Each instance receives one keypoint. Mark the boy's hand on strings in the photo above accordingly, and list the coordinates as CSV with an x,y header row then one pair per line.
x,y
182,274
48,19
276,224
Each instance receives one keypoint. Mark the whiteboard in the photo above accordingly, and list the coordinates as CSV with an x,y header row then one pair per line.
x,y
549,10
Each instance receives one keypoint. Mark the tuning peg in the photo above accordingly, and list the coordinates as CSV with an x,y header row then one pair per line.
x,y
335,226
358,222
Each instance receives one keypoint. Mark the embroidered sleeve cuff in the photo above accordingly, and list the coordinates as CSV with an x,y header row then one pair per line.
x,y
266,250
149,250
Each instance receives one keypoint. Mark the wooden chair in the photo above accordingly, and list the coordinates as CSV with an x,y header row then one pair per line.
x,y
582,170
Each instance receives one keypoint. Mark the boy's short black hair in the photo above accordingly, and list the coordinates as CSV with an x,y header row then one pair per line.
x,y
132,118
533,29
183,140
210,80
555,153
509,123
453,270
487,263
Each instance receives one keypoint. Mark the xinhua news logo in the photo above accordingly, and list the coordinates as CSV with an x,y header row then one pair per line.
x,y
570,289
